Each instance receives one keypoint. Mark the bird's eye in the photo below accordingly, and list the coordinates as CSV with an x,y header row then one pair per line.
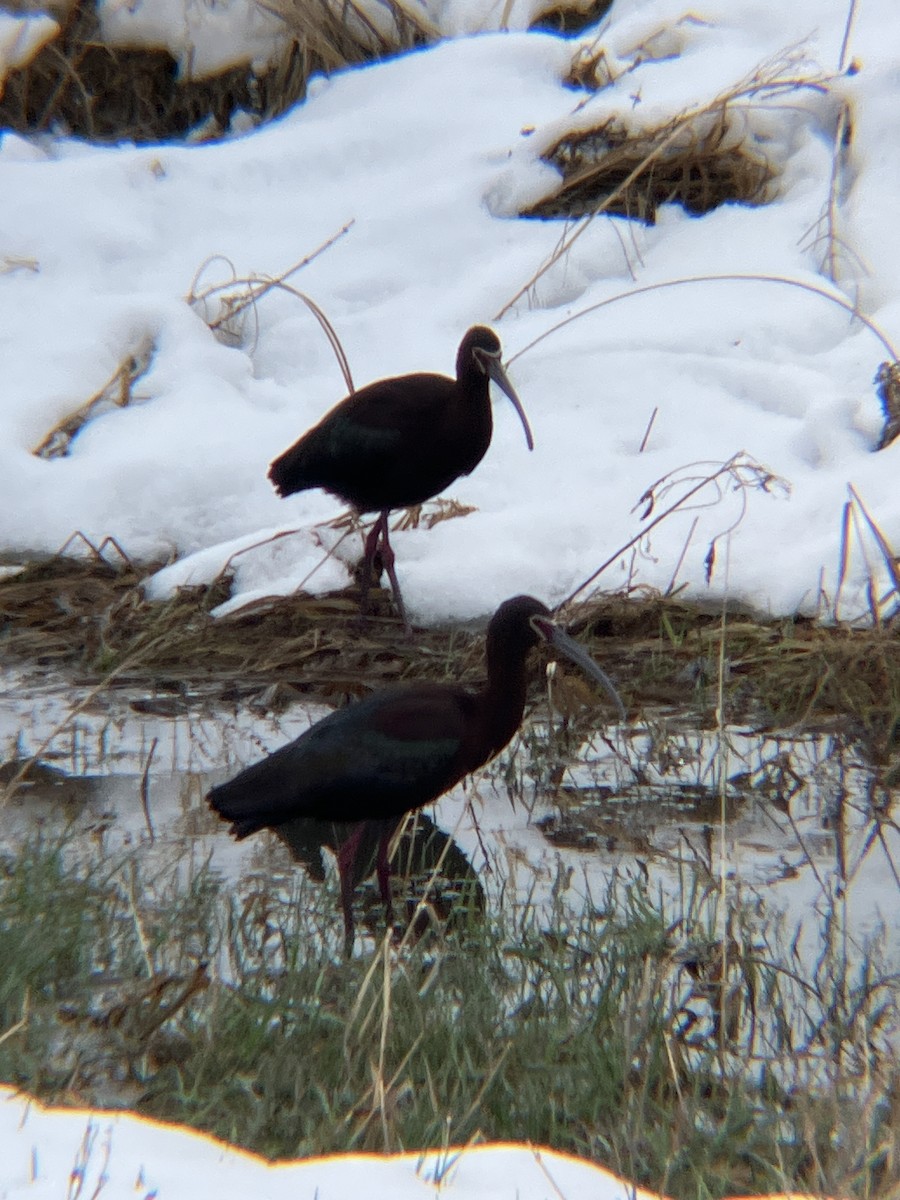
x,y
482,356
542,627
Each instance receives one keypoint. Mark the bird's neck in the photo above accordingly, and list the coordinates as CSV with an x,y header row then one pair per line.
x,y
469,421
474,383
503,703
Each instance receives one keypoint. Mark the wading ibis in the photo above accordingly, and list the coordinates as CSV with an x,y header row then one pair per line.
x,y
398,442
367,765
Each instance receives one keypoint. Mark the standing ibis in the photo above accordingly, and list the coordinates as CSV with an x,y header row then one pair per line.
x,y
367,765
398,442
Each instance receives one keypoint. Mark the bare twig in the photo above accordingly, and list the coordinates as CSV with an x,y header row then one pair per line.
x,y
741,469
258,286
116,391
848,29
646,437
742,277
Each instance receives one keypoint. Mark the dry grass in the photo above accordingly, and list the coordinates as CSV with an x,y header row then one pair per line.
x,y
89,617
887,385
80,85
618,168
333,36
117,391
631,174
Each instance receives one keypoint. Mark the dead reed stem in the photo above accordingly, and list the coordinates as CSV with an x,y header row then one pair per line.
x,y
768,79
739,277
740,467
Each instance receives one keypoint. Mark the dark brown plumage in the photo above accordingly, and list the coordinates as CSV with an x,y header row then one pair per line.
x,y
397,750
400,441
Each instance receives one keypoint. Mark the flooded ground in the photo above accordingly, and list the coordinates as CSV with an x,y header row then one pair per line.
x,y
657,943
807,831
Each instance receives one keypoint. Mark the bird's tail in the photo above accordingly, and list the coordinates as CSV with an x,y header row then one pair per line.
x,y
235,803
288,472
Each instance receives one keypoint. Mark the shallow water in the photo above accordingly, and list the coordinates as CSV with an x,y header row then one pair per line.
x,y
807,828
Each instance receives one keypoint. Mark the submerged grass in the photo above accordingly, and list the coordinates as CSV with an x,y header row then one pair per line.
x,y
599,1032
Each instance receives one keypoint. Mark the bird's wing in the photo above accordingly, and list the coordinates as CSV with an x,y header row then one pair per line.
x,y
379,422
398,406
382,757
358,448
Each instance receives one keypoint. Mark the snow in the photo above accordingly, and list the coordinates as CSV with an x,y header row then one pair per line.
x,y
124,1156
116,236
203,38
427,158
21,37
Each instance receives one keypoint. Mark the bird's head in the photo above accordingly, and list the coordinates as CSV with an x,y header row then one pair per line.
x,y
481,346
523,622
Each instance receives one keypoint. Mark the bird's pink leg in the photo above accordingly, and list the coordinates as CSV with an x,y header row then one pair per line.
x,y
369,551
346,859
387,558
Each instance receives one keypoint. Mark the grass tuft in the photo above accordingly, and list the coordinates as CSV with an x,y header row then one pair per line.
x,y
697,157
624,173
596,1032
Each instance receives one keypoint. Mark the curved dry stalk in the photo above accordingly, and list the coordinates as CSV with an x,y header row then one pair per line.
x,y
258,286
739,277
194,297
327,327
741,469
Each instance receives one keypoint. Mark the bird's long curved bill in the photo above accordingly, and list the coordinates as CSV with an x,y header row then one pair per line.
x,y
499,376
567,646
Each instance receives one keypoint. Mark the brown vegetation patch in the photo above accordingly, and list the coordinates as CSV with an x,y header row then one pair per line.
x,y
788,671
632,174
887,384
90,618
77,84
